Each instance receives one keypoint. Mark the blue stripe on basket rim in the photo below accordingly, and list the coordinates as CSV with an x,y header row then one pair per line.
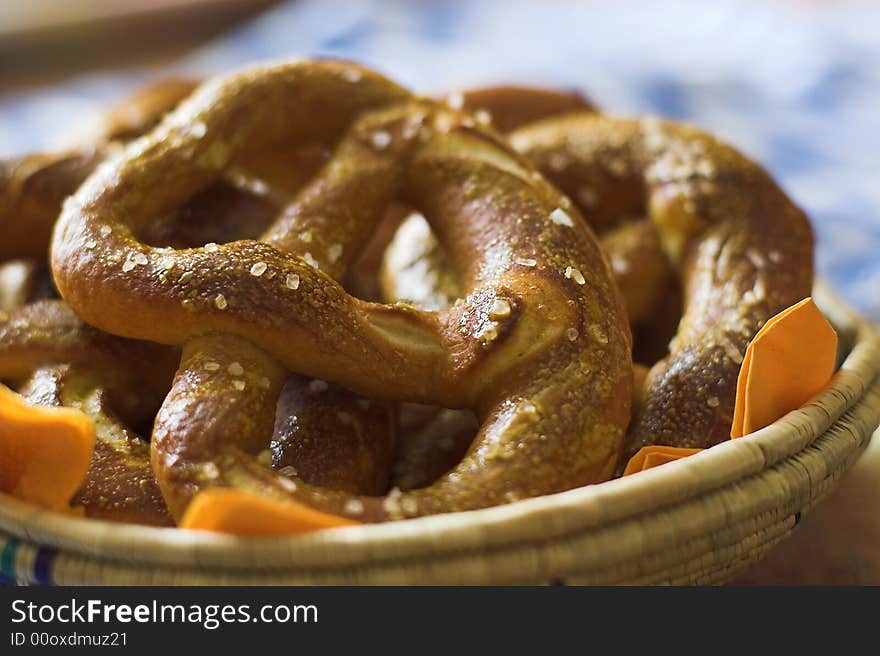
x,y
41,573
7,562
43,566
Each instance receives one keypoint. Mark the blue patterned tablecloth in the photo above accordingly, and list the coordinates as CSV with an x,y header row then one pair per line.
x,y
794,84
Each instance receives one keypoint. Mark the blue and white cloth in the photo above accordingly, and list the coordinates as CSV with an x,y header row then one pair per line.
x,y
796,85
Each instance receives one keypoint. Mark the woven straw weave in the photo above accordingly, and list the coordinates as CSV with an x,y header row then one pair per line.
x,y
693,521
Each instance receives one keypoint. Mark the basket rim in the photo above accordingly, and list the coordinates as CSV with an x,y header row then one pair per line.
x,y
541,518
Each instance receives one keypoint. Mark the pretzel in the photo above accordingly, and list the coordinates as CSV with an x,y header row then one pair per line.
x,y
348,448
59,361
539,347
742,250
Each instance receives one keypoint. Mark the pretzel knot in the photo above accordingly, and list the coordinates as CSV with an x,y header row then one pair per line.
x,y
538,347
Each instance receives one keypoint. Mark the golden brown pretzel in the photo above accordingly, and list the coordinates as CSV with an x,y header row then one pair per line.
x,y
540,346
742,249
237,206
57,360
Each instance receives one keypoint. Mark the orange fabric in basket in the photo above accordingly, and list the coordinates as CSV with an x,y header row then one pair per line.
x,y
790,360
655,455
241,513
44,452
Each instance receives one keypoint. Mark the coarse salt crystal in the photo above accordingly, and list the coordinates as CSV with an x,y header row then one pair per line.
x,y
380,139
312,262
561,217
574,274
500,308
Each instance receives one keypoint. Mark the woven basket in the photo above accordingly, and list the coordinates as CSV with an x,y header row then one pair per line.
x,y
697,520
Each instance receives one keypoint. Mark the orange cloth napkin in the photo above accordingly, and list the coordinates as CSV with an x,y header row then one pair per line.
x,y
44,452
790,360
654,455
241,513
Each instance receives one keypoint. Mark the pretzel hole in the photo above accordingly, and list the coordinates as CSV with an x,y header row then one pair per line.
x,y
369,447
329,437
431,441
243,203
